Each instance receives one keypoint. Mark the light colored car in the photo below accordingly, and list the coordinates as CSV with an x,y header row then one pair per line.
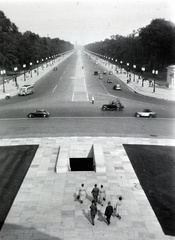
x,y
117,87
110,72
146,113
100,76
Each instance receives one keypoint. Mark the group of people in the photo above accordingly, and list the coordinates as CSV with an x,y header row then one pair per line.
x,y
99,196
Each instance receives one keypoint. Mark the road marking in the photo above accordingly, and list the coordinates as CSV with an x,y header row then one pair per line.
x,y
60,78
54,89
72,97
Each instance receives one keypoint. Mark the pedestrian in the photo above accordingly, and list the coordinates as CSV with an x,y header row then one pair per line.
x,y
82,193
95,193
102,195
93,211
108,212
118,207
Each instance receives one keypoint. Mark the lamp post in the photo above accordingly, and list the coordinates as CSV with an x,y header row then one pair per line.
x,y
143,69
127,69
121,66
15,69
31,69
154,72
24,66
134,67
116,65
3,72
37,67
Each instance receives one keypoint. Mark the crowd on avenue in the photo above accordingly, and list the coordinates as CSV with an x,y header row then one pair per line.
x,y
99,197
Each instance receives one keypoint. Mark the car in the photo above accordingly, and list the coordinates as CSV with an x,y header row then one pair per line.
x,y
117,87
104,72
100,76
109,81
110,72
38,113
146,113
95,72
113,105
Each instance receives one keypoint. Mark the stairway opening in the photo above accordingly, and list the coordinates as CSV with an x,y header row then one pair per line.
x,y
82,164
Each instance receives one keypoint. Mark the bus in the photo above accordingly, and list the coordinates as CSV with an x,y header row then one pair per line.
x,y
25,90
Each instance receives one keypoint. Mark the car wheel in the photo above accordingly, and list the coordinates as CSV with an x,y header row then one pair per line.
x,y
137,115
44,115
103,108
151,116
30,115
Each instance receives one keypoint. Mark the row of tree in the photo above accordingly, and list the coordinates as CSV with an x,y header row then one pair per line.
x,y
152,47
18,48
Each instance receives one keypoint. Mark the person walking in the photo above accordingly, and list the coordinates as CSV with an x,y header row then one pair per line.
x,y
82,193
93,211
118,207
108,212
102,195
95,193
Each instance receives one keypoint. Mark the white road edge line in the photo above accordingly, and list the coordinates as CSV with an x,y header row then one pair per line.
x,y
54,89
60,78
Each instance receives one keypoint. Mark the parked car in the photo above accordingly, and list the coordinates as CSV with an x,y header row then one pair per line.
x,y
109,80
38,113
110,72
117,87
104,72
146,113
113,105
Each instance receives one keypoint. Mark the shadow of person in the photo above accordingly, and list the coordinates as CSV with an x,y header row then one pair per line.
x,y
101,216
89,197
87,215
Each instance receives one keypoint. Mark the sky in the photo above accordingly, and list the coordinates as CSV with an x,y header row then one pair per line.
x,y
85,21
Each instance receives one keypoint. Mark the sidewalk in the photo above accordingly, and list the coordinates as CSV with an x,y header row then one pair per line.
x,y
136,86
11,88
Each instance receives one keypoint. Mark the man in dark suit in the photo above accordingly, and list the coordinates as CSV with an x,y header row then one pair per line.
x,y
93,208
108,212
95,193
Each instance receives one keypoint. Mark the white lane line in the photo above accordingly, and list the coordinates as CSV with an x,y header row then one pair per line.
x,y
60,78
72,97
54,89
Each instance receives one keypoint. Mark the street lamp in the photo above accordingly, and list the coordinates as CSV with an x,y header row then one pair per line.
x,y
3,72
143,69
31,68
24,65
15,69
127,69
121,66
37,67
154,72
134,67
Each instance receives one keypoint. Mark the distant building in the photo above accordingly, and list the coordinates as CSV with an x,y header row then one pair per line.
x,y
171,76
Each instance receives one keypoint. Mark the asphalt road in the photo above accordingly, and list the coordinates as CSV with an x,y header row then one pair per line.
x,y
57,92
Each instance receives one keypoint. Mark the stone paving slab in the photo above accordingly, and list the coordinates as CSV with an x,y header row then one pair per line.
x,y
45,206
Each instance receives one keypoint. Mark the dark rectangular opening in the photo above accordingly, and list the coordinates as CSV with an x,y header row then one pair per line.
x,y
81,164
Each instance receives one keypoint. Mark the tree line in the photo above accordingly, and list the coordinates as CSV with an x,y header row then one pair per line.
x,y
152,47
18,48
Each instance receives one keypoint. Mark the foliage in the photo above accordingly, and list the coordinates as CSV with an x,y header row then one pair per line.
x,y
152,46
17,49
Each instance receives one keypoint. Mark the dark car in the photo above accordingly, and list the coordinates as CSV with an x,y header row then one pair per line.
x,y
145,113
109,81
38,113
95,72
113,105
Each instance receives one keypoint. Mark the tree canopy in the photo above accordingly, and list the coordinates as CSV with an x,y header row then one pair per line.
x,y
17,48
151,46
